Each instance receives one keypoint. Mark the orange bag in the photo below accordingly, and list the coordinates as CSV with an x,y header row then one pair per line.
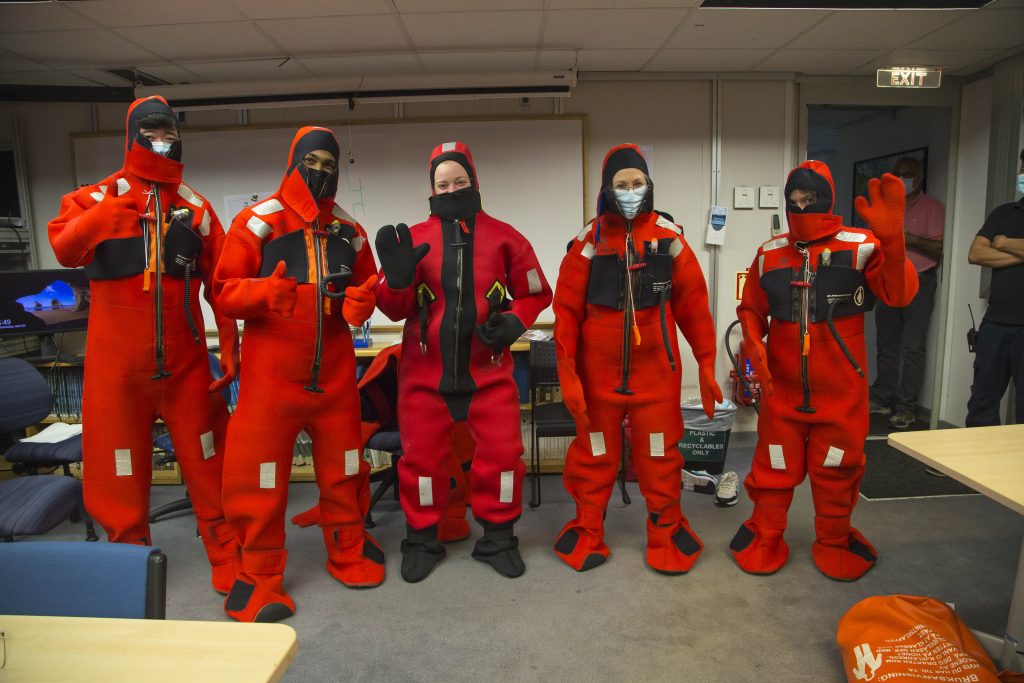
x,y
910,638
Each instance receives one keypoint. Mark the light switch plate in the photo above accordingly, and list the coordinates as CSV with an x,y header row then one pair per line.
x,y
769,197
743,198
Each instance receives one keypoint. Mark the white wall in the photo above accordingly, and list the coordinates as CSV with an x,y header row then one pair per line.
x,y
972,165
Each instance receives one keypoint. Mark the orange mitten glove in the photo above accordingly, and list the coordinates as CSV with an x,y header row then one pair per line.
x,y
884,213
572,392
710,392
359,302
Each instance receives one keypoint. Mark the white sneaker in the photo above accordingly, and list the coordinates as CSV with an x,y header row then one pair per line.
x,y
727,492
699,482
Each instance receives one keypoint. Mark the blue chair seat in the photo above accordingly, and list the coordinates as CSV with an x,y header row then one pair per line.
x,y
385,441
46,454
30,506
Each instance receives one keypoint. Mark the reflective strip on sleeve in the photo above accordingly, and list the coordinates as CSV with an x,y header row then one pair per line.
x,y
844,236
426,492
657,445
597,444
204,225
668,225
864,253
258,227
676,249
588,251
776,243
351,462
582,235
777,457
834,457
507,487
123,462
357,242
268,475
97,196
266,208
342,214
760,264
206,441
186,193
533,280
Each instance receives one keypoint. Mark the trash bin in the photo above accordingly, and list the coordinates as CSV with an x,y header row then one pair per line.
x,y
705,441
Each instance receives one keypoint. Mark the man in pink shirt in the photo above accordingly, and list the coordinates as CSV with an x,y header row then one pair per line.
x,y
903,332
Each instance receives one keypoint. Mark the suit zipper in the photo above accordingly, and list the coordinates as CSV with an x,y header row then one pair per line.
x,y
318,348
158,293
459,245
627,319
805,283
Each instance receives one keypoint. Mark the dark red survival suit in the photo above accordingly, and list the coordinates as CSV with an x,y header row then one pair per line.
x,y
622,289
286,263
815,283
449,278
146,351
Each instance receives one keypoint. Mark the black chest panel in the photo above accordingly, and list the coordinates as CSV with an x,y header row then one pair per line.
x,y
607,285
837,285
125,257
291,248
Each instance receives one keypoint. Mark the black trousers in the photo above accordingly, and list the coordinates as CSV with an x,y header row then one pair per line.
x,y
901,337
999,355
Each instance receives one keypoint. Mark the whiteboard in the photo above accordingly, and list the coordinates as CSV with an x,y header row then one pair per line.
x,y
531,173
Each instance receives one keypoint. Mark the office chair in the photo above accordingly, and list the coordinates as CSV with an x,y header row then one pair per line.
x,y
75,579
552,419
163,443
34,503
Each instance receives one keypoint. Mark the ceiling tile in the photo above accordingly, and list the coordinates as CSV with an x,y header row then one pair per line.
x,y
743,28
191,42
362,65
78,49
493,30
295,9
556,59
43,78
980,30
1000,4
100,77
470,62
170,73
247,70
13,62
614,60
48,16
950,60
616,4
597,29
884,29
817,61
135,13
375,33
706,60
410,6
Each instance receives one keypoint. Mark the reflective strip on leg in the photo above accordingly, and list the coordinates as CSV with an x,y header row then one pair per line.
x,y
834,457
426,491
507,487
351,462
597,444
206,441
268,475
123,462
657,445
777,457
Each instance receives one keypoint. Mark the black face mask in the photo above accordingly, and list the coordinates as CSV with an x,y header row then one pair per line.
x,y
318,182
806,179
456,206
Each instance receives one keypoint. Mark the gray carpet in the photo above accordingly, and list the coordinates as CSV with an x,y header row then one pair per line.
x,y
620,621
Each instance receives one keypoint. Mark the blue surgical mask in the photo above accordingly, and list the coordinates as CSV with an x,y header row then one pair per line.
x,y
1020,183
161,147
908,185
629,201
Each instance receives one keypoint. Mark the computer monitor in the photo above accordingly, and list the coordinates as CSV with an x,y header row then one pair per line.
x,y
43,301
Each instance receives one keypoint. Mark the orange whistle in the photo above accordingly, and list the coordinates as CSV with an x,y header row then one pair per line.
x,y
636,335
807,344
146,274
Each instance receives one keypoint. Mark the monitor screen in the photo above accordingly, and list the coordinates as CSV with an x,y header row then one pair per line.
x,y
43,301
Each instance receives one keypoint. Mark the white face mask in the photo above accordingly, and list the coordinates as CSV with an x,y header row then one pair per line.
x,y
908,185
161,147
629,201
1020,183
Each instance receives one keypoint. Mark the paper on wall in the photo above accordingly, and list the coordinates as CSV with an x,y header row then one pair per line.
x,y
234,203
716,225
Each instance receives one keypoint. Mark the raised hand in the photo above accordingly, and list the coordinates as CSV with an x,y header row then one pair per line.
x,y
398,257
112,217
883,208
279,292
359,302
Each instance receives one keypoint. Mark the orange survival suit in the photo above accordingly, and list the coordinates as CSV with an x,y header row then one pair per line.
x,y
285,270
814,284
146,351
622,289
450,278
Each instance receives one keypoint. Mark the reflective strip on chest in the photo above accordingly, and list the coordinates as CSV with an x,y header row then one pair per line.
x,y
123,462
668,225
258,227
351,462
533,280
268,475
776,456
507,487
97,196
597,444
123,186
657,442
186,193
844,236
588,251
776,243
834,457
426,486
266,208
206,442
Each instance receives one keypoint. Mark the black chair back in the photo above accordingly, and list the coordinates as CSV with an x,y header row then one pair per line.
x,y
26,397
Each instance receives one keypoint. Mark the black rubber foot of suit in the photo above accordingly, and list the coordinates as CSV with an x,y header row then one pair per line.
x,y
499,547
421,552
275,611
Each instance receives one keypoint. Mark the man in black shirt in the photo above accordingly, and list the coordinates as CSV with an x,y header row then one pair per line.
x,y
999,245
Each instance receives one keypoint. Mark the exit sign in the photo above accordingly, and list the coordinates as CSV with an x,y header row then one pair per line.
x,y
908,77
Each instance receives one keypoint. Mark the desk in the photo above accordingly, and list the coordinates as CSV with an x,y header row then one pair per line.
x,y
384,341
105,650
991,461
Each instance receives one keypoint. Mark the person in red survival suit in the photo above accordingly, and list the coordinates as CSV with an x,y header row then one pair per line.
x,y
628,280
285,270
449,277
146,351
378,397
815,283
